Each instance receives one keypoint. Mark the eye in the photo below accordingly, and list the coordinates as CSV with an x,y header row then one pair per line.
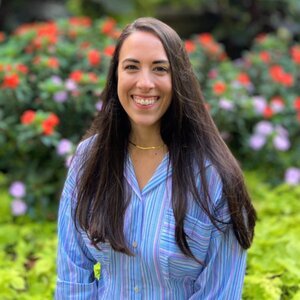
x,y
161,69
130,67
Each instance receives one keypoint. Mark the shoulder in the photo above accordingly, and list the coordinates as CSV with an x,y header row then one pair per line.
x,y
81,154
86,145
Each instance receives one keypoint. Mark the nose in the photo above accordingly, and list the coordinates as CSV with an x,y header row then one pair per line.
x,y
145,80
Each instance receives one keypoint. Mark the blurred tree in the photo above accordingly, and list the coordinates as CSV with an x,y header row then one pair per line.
x,y
15,12
233,22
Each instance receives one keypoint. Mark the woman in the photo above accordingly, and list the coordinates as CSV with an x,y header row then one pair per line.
x,y
153,193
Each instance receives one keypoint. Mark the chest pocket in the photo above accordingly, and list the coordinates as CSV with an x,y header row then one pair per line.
x,y
175,265
103,256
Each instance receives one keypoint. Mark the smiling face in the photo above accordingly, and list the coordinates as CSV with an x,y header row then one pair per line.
x,y
144,80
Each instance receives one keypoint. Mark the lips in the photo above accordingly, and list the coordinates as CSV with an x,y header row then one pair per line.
x,y
145,101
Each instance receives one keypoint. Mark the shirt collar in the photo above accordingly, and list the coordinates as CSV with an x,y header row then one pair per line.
x,y
162,172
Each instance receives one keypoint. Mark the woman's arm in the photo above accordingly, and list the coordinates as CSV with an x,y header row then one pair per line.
x,y
75,275
223,275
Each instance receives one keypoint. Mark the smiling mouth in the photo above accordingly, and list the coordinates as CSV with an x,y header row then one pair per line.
x,y
144,101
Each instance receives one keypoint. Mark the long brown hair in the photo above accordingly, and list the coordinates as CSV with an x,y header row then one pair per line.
x,y
191,137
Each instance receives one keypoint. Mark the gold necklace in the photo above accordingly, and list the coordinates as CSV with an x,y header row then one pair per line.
x,y
146,148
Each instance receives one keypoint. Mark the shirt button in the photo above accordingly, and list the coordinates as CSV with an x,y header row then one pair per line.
x,y
136,288
134,244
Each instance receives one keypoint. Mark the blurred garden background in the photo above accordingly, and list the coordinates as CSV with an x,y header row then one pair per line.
x,y
54,57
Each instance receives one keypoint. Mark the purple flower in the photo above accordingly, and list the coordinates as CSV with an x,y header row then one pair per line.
x,y
99,105
64,147
281,142
18,207
60,96
226,104
71,85
257,141
292,176
264,128
281,131
17,189
56,80
259,104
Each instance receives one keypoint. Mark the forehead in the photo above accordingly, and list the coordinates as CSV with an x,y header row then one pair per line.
x,y
142,45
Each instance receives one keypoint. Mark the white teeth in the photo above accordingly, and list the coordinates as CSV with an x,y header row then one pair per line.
x,y
143,101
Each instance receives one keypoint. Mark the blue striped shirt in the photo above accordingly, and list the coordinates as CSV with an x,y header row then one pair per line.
x,y
158,269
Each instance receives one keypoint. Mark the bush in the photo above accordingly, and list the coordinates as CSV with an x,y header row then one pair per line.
x,y
52,74
273,269
28,250
255,102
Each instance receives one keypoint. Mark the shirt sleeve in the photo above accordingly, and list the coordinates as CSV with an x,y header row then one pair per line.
x,y
223,275
224,268
75,264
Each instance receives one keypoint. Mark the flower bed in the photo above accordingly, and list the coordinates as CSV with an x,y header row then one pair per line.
x,y
52,74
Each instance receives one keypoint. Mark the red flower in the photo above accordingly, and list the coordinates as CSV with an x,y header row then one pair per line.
x,y
261,37
94,57
205,38
287,79
219,87
213,48
85,45
244,79
76,75
297,104
80,21
265,56
93,77
278,74
22,68
49,124
53,63
28,117
109,50
189,46
277,104
295,53
11,81
108,26
2,36
268,112
47,29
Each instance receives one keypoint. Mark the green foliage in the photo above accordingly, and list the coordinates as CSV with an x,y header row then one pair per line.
x,y
27,255
28,250
273,270
51,77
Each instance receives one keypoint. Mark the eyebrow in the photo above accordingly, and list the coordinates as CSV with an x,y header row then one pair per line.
x,y
161,61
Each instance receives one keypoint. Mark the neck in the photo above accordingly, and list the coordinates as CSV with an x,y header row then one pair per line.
x,y
146,137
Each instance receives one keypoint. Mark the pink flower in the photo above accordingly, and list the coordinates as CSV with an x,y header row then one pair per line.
x,y
264,128
259,104
281,143
17,189
226,104
257,141
64,147
99,105
71,85
18,207
292,176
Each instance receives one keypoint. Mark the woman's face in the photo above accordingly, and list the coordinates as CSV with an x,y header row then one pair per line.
x,y
144,80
